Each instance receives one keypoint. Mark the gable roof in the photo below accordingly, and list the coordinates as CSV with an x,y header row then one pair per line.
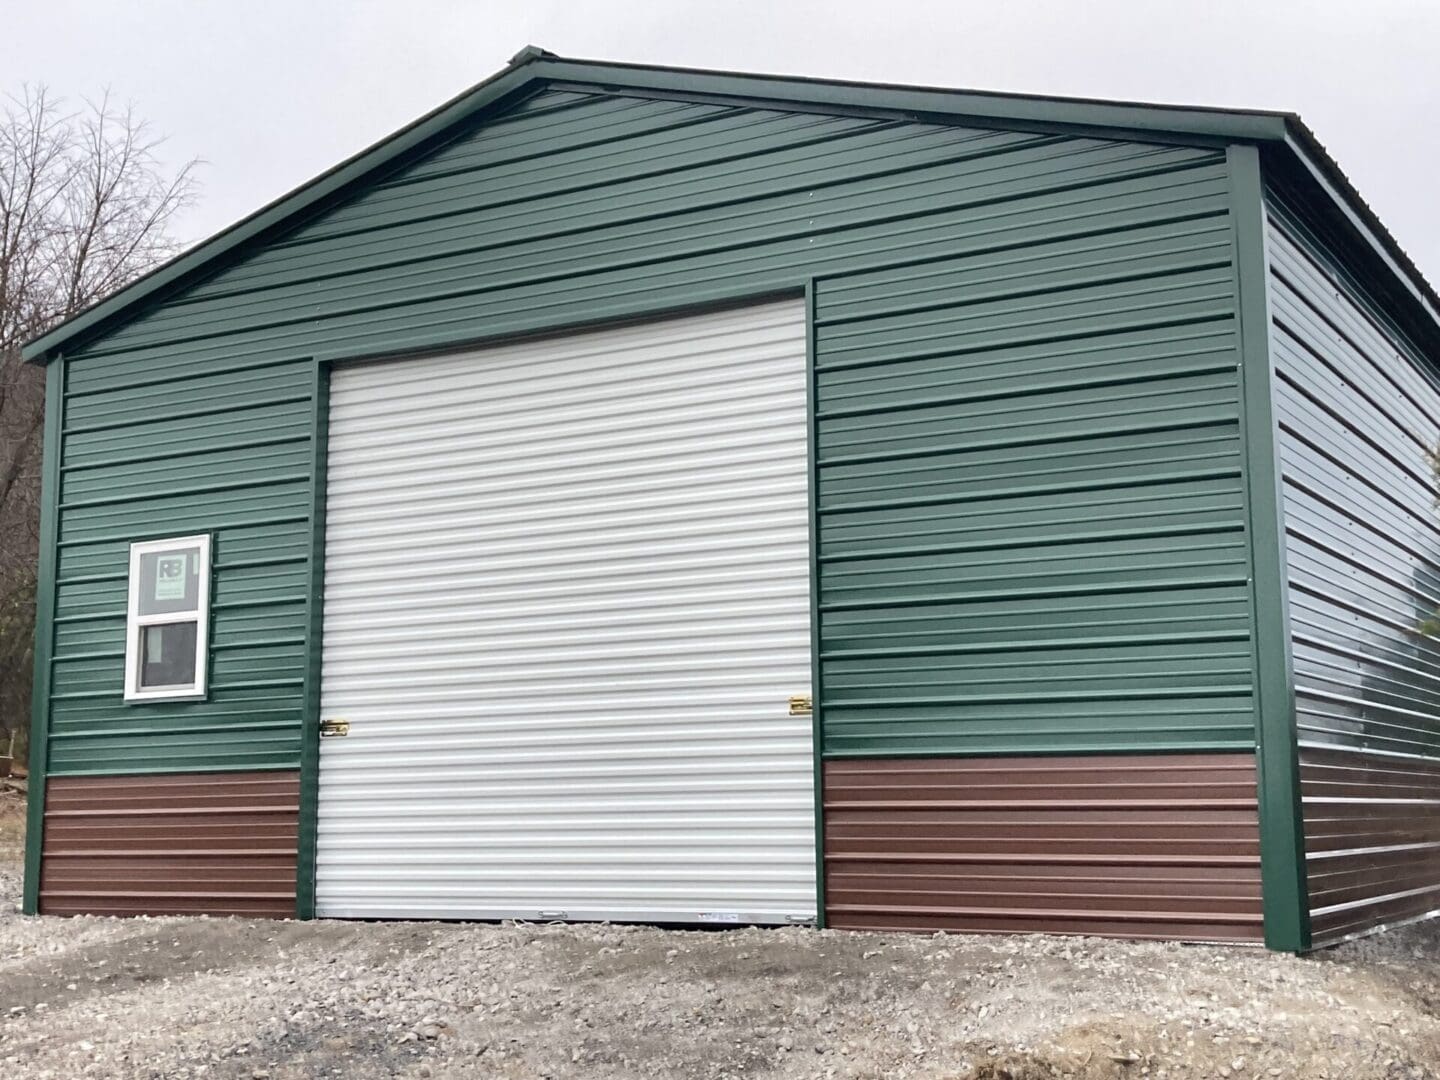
x,y
533,66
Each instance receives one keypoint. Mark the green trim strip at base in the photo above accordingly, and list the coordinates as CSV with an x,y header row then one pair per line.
x,y
1282,841
44,631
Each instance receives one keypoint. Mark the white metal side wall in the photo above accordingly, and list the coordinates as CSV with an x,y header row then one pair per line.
x,y
566,605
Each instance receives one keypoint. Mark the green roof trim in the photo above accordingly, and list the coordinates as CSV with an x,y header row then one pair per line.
x,y
533,67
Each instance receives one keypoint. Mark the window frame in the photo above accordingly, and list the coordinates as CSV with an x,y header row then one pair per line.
x,y
135,623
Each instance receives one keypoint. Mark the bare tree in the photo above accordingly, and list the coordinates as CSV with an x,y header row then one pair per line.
x,y
85,207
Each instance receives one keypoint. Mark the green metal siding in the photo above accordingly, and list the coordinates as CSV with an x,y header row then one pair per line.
x,y
196,452
1358,407
1032,521
1030,506
507,254
1359,415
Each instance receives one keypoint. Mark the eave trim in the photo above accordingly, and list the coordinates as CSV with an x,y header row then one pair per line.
x,y
286,208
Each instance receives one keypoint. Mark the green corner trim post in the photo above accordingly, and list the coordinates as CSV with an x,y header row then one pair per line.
x,y
44,630
1282,840
314,628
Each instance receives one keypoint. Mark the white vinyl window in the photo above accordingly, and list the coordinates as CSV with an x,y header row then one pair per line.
x,y
168,622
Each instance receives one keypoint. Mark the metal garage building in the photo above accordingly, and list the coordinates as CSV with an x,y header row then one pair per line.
x,y
551,456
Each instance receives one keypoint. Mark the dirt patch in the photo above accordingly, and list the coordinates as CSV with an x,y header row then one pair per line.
x,y
226,998
12,824
12,854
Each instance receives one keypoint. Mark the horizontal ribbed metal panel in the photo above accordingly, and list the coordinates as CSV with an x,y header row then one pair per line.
x,y
586,207
227,454
566,605
1163,845
1372,839
1359,415
1031,516
200,843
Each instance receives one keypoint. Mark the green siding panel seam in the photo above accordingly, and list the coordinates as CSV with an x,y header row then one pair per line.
x,y
189,414
170,382
129,536
1287,921
193,489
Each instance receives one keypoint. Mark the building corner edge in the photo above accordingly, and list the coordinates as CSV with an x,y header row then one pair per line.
x,y
44,631
1282,841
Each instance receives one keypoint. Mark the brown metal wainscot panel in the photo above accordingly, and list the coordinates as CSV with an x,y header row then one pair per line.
x,y
1152,846
1372,839
211,843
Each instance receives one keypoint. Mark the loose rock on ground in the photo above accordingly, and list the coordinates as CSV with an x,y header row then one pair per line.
x,y
255,1000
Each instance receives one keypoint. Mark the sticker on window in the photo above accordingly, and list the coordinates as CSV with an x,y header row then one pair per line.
x,y
170,577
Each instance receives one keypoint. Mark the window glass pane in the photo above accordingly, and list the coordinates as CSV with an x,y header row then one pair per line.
x,y
167,655
170,581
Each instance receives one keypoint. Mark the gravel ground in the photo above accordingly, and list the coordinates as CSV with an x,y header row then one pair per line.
x,y
230,998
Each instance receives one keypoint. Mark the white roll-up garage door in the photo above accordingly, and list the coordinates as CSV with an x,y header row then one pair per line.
x,y
566,608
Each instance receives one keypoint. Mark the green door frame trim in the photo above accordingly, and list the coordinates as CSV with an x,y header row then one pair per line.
x,y
1282,840
44,631
306,846
817,727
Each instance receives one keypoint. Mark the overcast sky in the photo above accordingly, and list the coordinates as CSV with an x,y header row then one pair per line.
x,y
270,93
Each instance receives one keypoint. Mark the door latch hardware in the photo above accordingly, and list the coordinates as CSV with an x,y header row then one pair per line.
x,y
801,705
329,728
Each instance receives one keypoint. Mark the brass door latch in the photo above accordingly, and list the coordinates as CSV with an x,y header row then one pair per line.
x,y
329,728
801,705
